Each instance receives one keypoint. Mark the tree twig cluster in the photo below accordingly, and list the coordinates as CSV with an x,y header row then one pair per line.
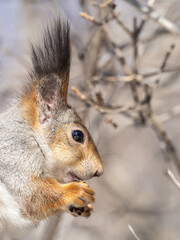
x,y
141,111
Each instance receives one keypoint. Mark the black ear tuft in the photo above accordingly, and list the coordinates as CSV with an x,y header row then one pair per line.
x,y
50,71
46,94
53,55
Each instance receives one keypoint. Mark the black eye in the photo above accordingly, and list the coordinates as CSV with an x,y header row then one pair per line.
x,y
78,136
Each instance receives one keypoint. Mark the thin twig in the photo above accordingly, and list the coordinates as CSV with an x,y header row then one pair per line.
x,y
135,44
123,26
154,73
133,232
103,109
149,12
118,52
102,5
139,77
162,135
141,92
171,175
91,19
166,57
124,79
114,15
163,65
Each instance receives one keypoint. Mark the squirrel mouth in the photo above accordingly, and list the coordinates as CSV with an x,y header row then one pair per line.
x,y
72,177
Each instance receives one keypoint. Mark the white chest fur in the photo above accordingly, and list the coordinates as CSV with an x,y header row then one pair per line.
x,y
11,220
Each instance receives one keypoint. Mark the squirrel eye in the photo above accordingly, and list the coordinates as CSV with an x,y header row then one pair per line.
x,y
78,136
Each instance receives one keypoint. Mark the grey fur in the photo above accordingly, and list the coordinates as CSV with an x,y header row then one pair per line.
x,y
25,150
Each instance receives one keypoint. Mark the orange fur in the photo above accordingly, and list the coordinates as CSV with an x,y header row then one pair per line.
x,y
74,154
29,104
53,142
50,196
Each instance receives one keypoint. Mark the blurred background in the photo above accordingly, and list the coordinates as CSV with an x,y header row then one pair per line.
x,y
125,83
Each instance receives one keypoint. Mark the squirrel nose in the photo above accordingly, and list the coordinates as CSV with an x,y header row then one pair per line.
x,y
98,173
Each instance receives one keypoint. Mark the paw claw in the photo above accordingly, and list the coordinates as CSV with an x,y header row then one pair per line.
x,y
80,196
84,211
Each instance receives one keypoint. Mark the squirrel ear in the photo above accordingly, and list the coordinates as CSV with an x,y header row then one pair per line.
x,y
47,92
52,97
51,66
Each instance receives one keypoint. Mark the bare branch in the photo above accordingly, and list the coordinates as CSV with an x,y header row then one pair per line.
x,y
162,135
116,17
166,57
103,109
135,44
133,232
149,12
91,19
102,5
118,52
111,122
168,70
138,77
171,175
142,93
124,79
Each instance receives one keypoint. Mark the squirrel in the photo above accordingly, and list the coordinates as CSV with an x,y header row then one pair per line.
x,y
46,152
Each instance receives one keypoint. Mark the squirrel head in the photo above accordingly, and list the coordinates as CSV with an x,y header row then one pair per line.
x,y
73,153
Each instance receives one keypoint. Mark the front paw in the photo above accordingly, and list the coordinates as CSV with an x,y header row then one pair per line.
x,y
78,197
83,211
